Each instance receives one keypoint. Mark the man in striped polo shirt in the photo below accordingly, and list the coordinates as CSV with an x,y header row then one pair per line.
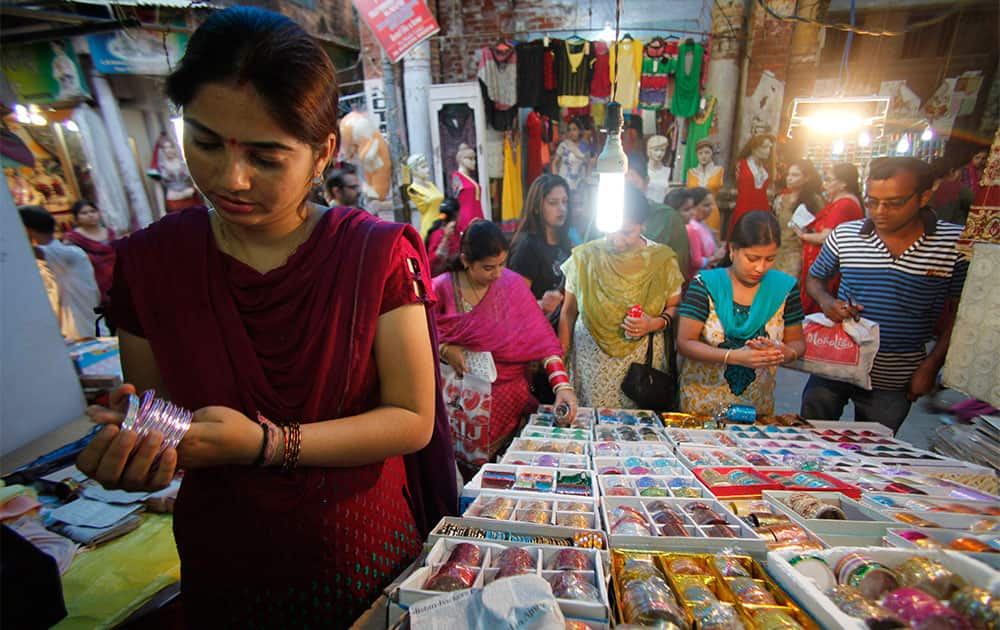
x,y
900,269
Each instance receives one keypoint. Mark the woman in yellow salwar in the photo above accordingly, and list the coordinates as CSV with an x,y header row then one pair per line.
x,y
604,279
738,323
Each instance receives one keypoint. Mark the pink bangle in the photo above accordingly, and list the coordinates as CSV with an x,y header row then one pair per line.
x,y
273,439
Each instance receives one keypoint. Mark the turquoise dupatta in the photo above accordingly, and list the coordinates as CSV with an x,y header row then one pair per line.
x,y
770,296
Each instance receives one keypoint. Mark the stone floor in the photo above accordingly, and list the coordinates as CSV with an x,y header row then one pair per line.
x,y
915,430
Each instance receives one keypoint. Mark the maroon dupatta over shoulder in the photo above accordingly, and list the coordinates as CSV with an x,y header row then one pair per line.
x,y
102,257
295,343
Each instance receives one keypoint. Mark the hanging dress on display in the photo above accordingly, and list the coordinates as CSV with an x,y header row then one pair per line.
x,y
752,180
699,128
512,199
468,192
574,68
687,79
657,64
456,126
498,80
628,52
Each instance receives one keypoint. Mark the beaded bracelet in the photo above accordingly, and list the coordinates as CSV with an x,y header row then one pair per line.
x,y
293,441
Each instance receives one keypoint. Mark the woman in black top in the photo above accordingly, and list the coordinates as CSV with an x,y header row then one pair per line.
x,y
541,244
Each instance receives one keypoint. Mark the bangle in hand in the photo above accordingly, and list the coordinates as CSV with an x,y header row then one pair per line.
x,y
273,438
555,369
293,441
725,359
558,388
441,348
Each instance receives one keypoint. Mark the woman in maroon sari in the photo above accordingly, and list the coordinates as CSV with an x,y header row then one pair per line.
x,y
484,307
95,239
274,308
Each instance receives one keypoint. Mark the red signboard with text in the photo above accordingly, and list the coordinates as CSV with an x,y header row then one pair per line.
x,y
399,25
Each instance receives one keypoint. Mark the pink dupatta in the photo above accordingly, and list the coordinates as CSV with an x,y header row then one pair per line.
x,y
507,322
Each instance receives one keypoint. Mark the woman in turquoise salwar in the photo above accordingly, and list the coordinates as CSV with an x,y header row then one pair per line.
x,y
738,323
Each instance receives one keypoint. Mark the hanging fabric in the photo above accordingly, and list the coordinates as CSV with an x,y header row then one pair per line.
x,y
512,197
687,79
600,83
628,54
659,57
498,81
699,128
574,68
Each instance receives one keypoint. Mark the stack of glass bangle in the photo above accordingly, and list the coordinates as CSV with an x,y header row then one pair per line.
x,y
154,414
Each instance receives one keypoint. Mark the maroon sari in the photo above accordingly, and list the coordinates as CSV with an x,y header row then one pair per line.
x,y
508,323
102,257
259,547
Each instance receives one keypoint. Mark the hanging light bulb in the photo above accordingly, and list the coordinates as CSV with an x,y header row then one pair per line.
x,y
71,126
611,167
927,135
838,147
35,115
21,114
864,139
904,145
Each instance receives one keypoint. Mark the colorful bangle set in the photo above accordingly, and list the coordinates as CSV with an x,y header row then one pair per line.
x,y
555,369
289,436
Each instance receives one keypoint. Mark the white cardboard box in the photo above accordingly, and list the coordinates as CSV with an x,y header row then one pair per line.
x,y
817,604
945,536
864,526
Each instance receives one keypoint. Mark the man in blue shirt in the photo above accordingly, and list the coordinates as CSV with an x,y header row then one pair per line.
x,y
900,269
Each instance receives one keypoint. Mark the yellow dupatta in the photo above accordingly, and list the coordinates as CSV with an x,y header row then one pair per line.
x,y
609,283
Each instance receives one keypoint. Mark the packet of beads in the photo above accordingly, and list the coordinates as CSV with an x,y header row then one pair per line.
x,y
643,594
148,414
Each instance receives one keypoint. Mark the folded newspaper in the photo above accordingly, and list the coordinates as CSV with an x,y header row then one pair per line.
x,y
524,602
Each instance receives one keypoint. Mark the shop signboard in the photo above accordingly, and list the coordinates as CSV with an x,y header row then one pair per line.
x,y
136,52
45,72
399,25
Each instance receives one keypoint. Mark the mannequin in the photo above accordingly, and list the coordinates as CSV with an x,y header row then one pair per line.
x,y
657,172
425,196
707,174
753,176
466,188
170,170
362,144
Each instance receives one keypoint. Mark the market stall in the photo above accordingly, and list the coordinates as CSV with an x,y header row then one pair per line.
x,y
630,517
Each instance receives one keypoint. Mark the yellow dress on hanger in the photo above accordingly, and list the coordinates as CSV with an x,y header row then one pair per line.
x,y
513,193
427,199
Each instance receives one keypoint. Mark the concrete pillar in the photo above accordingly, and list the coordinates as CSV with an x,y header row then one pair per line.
x,y
127,169
416,78
723,80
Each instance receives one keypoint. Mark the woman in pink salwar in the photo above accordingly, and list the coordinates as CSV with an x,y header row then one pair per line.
x,y
484,307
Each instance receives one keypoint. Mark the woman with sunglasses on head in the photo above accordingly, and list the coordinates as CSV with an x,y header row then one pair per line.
x,y
843,204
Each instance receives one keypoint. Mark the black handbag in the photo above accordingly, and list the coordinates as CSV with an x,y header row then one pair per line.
x,y
651,388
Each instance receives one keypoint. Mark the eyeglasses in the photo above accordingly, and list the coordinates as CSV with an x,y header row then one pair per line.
x,y
891,204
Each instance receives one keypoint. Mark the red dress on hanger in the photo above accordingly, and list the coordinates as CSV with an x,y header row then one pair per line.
x,y
751,192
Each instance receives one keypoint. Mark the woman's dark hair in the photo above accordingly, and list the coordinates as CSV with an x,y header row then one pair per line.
x,y
636,206
698,194
677,197
754,228
883,168
447,213
284,64
847,173
80,205
482,239
532,221
812,188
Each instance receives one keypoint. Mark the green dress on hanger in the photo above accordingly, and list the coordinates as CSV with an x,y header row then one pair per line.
x,y
687,79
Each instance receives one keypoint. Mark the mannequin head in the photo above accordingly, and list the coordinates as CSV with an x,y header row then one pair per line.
x,y
758,147
466,158
705,151
419,167
656,149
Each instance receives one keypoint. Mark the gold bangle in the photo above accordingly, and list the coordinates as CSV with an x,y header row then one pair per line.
x,y
725,359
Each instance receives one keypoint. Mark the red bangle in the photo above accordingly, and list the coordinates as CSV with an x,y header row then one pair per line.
x,y
553,365
560,379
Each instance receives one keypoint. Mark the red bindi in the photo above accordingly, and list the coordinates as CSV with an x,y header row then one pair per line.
x,y
232,142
